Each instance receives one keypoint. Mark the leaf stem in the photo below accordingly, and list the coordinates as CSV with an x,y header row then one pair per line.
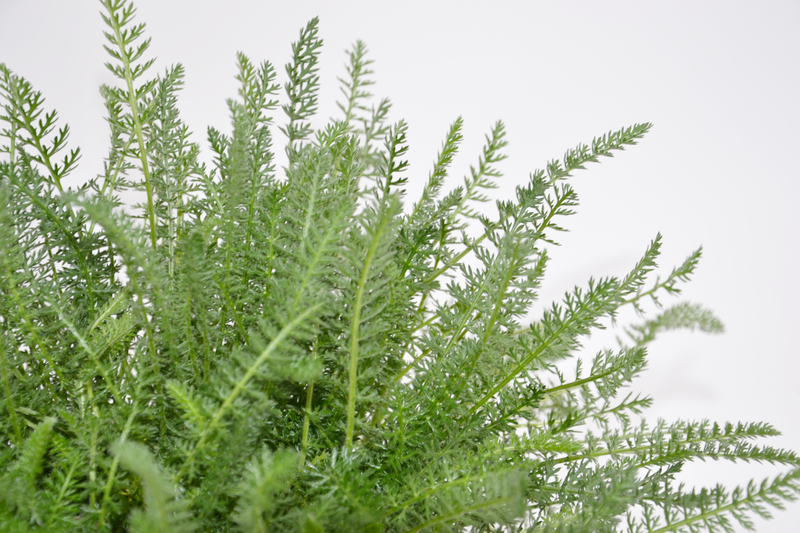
x,y
7,390
354,338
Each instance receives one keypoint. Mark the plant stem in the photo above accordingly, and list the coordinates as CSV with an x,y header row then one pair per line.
x,y
9,400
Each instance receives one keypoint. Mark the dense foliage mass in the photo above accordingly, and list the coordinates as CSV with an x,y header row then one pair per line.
x,y
249,352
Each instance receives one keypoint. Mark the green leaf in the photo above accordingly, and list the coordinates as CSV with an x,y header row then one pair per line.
x,y
163,511
302,88
19,484
266,478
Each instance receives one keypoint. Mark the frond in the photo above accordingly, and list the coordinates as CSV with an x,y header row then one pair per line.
x,y
473,502
163,511
354,88
681,316
136,95
717,508
302,87
396,149
267,477
368,260
30,134
19,483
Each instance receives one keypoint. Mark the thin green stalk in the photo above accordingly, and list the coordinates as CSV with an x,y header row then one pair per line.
x,y
232,307
579,382
112,473
307,413
306,421
7,390
354,338
206,346
12,145
113,181
190,334
93,447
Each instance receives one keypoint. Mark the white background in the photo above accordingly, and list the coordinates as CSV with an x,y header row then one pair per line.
x,y
718,79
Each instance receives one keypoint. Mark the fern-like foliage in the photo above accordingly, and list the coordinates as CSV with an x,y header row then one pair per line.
x,y
253,350
162,512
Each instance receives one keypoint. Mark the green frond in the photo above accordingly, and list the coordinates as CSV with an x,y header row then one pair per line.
x,y
30,463
31,136
687,441
530,197
302,87
716,508
426,205
258,88
480,178
669,285
555,336
19,483
493,498
366,267
353,88
609,372
122,37
50,209
9,396
278,342
193,412
396,148
174,162
163,511
374,129
116,304
681,316
267,477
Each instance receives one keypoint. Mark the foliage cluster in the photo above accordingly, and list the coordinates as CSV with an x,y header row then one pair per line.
x,y
262,351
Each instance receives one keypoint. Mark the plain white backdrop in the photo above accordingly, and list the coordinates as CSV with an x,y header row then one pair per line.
x,y
719,80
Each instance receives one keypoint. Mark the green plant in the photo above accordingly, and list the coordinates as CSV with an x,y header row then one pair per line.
x,y
265,354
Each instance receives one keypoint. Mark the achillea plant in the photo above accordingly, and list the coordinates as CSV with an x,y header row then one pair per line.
x,y
282,351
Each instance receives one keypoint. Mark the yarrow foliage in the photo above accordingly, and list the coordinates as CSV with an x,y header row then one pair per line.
x,y
254,350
